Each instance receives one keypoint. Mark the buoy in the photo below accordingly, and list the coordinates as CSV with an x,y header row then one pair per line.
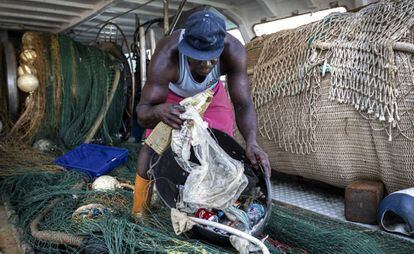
x,y
105,183
28,56
27,83
109,183
25,69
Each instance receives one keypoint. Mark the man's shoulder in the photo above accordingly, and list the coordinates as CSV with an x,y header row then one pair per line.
x,y
233,56
170,42
232,44
165,58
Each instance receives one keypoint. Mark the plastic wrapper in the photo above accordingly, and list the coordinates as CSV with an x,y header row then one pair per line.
x,y
218,180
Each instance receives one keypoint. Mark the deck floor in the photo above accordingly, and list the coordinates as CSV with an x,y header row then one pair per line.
x,y
314,196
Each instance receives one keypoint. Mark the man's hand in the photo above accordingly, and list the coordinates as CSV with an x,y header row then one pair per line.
x,y
170,114
256,155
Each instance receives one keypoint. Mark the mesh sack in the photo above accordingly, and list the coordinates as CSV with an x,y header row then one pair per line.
x,y
338,105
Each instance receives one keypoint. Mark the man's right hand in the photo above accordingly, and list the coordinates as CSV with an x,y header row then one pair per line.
x,y
170,114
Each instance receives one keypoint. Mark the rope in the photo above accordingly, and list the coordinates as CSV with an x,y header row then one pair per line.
x,y
54,236
104,110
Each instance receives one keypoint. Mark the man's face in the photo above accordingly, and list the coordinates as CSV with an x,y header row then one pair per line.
x,y
202,68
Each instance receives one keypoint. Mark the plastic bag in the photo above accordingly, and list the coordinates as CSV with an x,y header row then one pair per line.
x,y
219,179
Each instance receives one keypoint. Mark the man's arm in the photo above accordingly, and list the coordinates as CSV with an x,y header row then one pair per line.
x,y
152,107
238,85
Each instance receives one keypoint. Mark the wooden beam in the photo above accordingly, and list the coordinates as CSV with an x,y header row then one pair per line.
x,y
86,15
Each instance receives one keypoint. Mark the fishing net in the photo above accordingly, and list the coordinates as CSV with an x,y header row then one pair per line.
x,y
291,230
35,103
20,159
320,234
32,193
287,71
75,84
335,98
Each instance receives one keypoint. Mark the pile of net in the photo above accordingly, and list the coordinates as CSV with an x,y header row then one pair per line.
x,y
51,210
335,98
57,210
75,83
114,231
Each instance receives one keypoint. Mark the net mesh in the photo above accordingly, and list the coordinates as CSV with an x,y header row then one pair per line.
x,y
292,230
117,232
75,83
331,95
65,107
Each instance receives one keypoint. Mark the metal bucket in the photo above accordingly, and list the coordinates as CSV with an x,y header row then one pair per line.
x,y
169,175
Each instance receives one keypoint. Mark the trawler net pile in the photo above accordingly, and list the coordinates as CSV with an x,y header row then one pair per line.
x,y
74,84
335,98
113,231
291,230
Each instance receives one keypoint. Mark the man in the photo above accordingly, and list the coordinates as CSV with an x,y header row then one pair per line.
x,y
188,62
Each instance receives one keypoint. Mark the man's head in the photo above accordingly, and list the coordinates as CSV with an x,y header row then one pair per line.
x,y
204,36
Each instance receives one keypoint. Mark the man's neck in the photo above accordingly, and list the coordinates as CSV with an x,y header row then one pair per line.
x,y
197,77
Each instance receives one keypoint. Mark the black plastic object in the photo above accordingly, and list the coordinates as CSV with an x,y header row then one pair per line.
x,y
169,175
93,245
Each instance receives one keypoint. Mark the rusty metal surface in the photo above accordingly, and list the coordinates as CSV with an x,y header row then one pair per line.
x,y
362,199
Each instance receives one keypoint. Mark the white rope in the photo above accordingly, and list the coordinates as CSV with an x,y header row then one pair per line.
x,y
232,231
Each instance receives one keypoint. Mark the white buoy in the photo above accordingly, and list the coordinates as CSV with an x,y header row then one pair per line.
x,y
28,83
105,183
109,183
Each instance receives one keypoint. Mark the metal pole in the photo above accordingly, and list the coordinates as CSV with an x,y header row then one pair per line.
x,y
177,16
166,21
152,41
143,56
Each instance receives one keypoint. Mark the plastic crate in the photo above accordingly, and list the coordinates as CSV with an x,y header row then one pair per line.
x,y
95,160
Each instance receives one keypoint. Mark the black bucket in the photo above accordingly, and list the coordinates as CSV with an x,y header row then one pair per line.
x,y
169,175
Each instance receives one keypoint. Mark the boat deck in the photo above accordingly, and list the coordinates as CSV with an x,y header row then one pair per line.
x,y
313,196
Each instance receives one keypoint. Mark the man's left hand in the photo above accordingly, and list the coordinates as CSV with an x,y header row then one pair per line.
x,y
256,155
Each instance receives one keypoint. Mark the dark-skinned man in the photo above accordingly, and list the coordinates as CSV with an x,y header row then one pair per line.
x,y
188,62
